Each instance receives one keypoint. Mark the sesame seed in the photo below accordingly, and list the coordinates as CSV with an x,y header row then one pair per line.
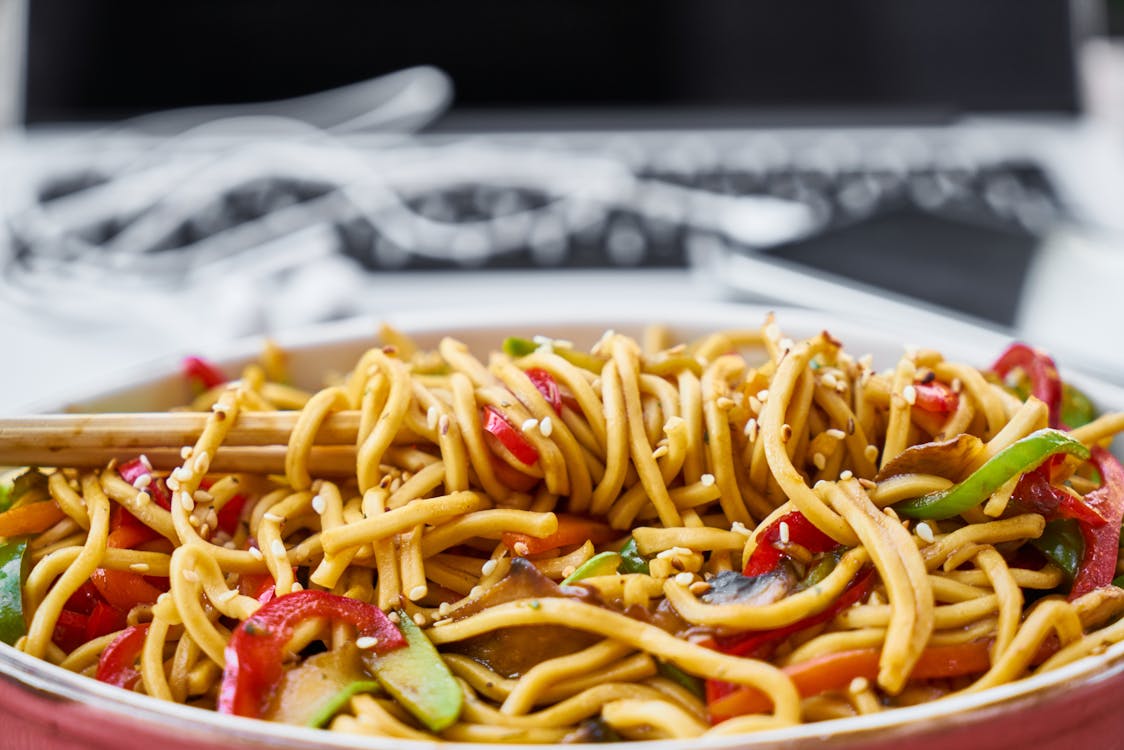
x,y
859,685
277,547
829,380
185,452
182,474
366,642
707,480
190,576
319,504
205,530
685,579
763,395
867,483
673,552
147,464
202,462
834,433
819,460
417,592
443,424
925,531
419,619
740,528
846,474
698,588
751,430
256,553
786,432
393,617
431,416
546,426
784,532
139,567
173,485
521,548
187,502
143,497
891,513
202,496
226,596
871,452
755,405
725,403
475,592
488,567
270,516
142,481
529,424
909,393
443,609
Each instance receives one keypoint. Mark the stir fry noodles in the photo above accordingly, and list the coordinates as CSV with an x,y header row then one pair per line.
x,y
646,539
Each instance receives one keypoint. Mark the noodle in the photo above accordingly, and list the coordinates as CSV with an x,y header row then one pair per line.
x,y
586,537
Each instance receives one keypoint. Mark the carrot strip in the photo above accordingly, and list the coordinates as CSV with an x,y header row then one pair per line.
x,y
30,519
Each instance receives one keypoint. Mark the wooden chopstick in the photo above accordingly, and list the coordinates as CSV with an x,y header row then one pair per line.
x,y
255,443
163,429
328,461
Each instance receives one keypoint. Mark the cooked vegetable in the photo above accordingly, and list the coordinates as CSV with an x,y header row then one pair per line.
x,y
1020,456
13,573
418,679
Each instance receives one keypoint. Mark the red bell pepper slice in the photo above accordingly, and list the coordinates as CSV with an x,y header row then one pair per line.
x,y
231,514
104,620
260,586
1098,566
256,648
1035,492
122,589
935,397
117,663
498,427
203,375
84,599
572,530
766,557
1039,367
70,630
547,386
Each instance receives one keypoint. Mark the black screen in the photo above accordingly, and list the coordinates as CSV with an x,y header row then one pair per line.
x,y
102,59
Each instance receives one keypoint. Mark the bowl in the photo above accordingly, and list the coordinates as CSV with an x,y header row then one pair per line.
x,y
44,707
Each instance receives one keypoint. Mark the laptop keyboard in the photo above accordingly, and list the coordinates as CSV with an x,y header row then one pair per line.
x,y
494,225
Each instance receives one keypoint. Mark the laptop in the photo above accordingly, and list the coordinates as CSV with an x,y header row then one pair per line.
x,y
783,151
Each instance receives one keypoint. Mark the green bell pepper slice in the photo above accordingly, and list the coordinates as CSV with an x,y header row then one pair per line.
x,y
1017,458
13,573
631,559
1061,542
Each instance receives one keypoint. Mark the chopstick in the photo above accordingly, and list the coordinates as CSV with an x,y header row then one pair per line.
x,y
255,443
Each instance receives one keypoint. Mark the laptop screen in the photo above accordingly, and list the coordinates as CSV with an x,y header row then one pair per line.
x,y
103,59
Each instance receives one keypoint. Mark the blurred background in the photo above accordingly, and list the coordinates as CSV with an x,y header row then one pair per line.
x,y
173,175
